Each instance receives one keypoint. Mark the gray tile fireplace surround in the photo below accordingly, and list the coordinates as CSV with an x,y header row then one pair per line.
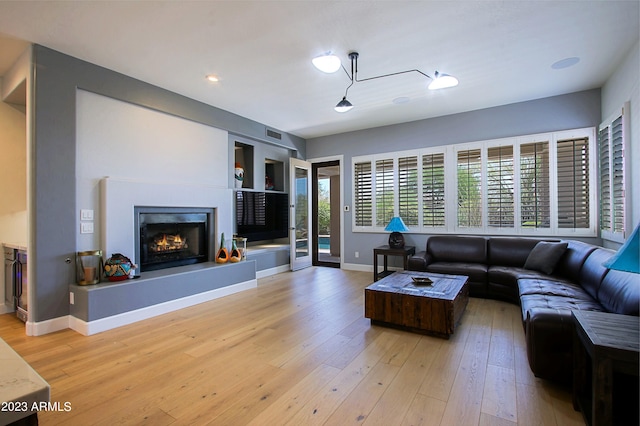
x,y
107,300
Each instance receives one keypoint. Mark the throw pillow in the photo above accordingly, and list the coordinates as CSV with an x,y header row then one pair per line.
x,y
545,256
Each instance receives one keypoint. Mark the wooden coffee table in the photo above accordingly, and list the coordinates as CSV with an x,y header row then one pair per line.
x,y
396,301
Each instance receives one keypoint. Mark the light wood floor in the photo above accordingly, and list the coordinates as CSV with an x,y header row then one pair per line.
x,y
297,351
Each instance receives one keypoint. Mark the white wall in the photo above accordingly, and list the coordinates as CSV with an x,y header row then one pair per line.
x,y
128,142
624,86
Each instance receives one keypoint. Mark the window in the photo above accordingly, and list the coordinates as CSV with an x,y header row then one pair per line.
x,y
500,202
534,185
611,162
573,183
433,190
528,185
384,192
469,188
363,214
408,190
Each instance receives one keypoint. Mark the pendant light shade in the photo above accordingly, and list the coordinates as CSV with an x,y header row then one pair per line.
x,y
328,63
344,105
442,81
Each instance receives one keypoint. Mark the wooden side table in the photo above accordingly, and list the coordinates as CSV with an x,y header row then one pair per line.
x,y
604,343
385,251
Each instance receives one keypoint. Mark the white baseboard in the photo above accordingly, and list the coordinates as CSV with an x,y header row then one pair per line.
x,y
272,271
104,324
48,326
357,267
5,309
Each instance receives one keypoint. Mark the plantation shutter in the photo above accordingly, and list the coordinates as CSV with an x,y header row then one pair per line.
x,y
617,163
433,190
500,205
535,210
573,183
363,211
385,196
605,179
469,189
408,190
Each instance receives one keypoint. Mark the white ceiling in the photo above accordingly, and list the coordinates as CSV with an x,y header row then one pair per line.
x,y
501,51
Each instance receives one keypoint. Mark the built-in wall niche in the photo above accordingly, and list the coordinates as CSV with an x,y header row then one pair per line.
x,y
274,175
244,156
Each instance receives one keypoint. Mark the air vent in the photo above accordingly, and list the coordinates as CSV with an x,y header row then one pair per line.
x,y
274,134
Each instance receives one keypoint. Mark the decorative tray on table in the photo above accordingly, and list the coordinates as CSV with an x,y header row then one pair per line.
x,y
422,280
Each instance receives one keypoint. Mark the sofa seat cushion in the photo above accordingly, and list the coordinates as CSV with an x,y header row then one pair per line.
x,y
529,286
475,271
509,275
560,303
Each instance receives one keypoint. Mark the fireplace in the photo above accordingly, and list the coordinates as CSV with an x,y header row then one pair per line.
x,y
173,236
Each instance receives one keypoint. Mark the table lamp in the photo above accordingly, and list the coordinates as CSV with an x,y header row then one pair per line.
x,y
396,226
628,257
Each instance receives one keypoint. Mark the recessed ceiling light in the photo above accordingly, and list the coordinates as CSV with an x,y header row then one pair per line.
x,y
212,78
565,63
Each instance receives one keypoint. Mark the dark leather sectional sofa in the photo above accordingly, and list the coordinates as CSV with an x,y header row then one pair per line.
x,y
578,281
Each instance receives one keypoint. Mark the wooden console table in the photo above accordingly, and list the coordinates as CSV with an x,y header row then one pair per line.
x,y
604,343
385,251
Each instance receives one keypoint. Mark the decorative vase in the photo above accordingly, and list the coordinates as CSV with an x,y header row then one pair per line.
x,y
223,255
118,267
238,175
235,255
268,183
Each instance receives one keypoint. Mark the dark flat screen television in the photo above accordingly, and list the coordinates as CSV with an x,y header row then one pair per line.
x,y
262,215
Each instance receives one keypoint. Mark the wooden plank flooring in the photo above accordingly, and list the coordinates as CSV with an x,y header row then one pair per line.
x,y
297,351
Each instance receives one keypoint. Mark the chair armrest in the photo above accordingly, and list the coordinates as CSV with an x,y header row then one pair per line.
x,y
419,261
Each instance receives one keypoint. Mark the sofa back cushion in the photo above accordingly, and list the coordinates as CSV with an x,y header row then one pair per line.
x,y
574,257
592,271
445,248
620,292
505,251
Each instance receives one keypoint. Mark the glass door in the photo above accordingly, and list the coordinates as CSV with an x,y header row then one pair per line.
x,y
300,214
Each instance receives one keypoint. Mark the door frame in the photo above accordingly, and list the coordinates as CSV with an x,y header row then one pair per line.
x,y
297,263
314,202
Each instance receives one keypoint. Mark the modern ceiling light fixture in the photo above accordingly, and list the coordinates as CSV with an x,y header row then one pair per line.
x,y
439,80
328,63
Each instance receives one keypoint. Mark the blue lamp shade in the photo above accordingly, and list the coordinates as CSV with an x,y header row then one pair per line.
x,y
396,226
628,257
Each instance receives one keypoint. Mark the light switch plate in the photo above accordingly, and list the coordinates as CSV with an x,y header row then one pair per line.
x,y
86,228
86,214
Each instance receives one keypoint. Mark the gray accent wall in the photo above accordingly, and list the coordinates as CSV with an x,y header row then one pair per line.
x,y
52,156
571,111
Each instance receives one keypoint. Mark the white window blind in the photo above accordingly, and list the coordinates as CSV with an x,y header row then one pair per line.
x,y
408,190
605,179
385,196
363,211
469,188
611,173
540,184
573,183
500,202
433,200
535,208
